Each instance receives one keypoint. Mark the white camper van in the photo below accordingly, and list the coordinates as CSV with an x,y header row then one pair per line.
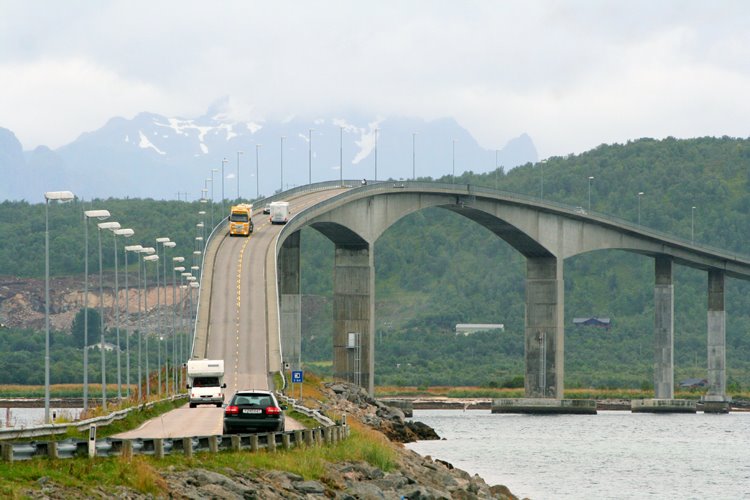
x,y
206,382
279,212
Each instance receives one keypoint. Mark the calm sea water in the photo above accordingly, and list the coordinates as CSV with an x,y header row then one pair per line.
x,y
612,455
26,417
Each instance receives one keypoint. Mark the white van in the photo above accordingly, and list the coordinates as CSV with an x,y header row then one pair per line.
x,y
279,212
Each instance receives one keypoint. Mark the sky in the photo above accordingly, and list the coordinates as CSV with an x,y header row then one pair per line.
x,y
572,74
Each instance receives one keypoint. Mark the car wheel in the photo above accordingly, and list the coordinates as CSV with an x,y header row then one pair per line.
x,y
219,405
192,405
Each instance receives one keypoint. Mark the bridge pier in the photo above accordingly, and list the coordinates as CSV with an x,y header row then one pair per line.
x,y
663,329
353,315
290,301
716,400
544,331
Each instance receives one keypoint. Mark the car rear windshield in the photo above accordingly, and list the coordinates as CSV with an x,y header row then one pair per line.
x,y
255,400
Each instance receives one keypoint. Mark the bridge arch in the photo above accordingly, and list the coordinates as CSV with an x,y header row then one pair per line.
x,y
545,233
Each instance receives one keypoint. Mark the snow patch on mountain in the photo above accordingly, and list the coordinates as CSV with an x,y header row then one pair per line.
x,y
146,144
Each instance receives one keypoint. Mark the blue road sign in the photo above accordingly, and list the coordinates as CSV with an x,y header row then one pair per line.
x,y
296,376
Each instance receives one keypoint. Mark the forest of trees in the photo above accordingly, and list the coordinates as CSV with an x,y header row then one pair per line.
x,y
435,268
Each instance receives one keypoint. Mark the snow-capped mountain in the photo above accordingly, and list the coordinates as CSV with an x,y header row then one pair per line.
x,y
166,158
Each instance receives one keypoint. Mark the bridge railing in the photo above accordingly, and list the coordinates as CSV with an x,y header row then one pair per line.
x,y
472,190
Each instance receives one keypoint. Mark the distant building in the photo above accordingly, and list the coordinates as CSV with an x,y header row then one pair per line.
x,y
693,383
592,321
469,328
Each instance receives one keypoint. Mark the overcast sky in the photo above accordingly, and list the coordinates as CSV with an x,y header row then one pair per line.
x,y
571,74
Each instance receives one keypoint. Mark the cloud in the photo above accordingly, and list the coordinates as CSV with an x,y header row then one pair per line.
x,y
572,74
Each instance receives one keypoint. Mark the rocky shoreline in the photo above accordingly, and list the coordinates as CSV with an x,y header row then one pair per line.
x,y
415,477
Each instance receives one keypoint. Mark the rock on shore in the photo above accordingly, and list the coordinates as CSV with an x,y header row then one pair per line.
x,y
416,477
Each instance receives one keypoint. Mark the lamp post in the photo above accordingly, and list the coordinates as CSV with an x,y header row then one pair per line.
x,y
163,241
281,156
341,155
175,260
413,156
168,244
257,172
213,170
640,193
88,214
129,248
453,177
309,155
184,276
541,182
223,162
238,174
591,178
692,224
61,196
112,226
376,154
149,258
144,252
125,233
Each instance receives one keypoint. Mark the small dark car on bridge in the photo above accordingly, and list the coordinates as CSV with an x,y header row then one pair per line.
x,y
253,411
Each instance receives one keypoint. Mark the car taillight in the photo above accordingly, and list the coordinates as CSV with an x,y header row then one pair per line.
x,y
273,410
232,410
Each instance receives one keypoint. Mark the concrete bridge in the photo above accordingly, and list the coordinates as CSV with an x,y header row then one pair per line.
x,y
545,233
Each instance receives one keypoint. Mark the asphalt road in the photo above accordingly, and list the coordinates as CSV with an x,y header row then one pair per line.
x,y
238,326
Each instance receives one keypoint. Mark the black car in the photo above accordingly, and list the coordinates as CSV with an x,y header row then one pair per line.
x,y
253,411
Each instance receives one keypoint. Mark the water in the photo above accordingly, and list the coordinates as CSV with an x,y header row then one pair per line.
x,y
612,455
20,418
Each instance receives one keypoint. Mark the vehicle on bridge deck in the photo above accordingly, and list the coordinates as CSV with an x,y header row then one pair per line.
x,y
240,219
253,411
267,208
206,382
279,212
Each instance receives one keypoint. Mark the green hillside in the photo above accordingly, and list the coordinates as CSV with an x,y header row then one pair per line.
x,y
436,268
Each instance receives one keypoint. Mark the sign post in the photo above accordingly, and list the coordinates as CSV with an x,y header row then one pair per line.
x,y
297,377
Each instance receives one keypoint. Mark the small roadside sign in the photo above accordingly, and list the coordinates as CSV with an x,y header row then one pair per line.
x,y
296,376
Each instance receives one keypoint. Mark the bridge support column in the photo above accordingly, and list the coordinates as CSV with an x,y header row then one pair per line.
x,y
354,316
544,335
290,301
716,344
663,329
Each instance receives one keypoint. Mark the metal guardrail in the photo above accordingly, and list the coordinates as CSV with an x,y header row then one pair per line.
x,y
81,426
159,447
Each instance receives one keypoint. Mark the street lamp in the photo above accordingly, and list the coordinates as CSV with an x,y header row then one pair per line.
x,y
175,260
413,156
238,174
147,251
281,150
541,182
640,193
61,196
223,162
100,215
453,178
136,249
591,178
112,226
213,170
149,258
257,172
309,155
692,224
163,241
341,156
125,233
376,154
